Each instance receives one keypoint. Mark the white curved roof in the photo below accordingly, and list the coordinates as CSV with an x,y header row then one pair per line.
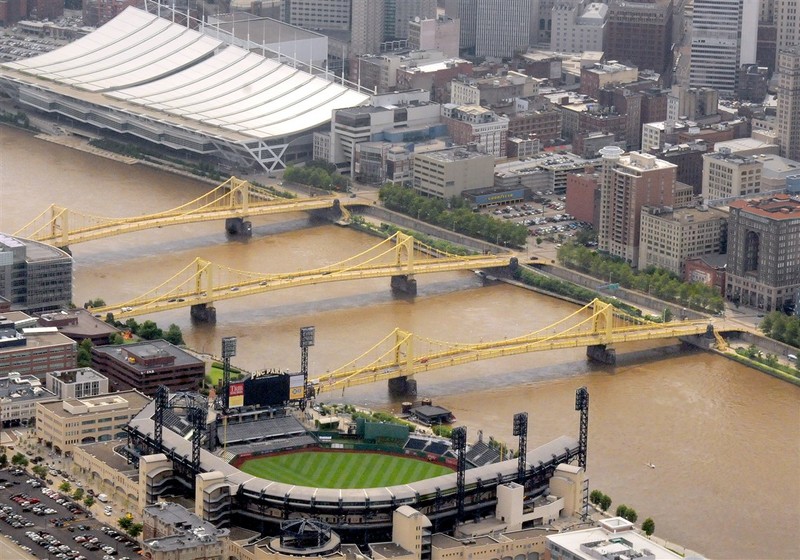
x,y
133,48
150,62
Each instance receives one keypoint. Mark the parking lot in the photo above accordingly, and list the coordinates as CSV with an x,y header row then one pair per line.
x,y
545,216
47,524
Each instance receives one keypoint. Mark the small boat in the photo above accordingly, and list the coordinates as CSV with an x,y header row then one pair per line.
x,y
651,465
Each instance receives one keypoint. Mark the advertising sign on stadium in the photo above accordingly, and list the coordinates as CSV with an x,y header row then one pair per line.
x,y
236,395
296,387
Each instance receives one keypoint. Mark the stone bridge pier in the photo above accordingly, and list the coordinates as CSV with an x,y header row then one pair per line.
x,y
404,284
238,226
204,313
403,386
602,353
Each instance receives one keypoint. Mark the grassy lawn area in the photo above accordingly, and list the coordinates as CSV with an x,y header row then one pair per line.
x,y
342,470
215,375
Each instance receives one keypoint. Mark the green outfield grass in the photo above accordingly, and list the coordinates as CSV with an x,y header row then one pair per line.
x,y
342,470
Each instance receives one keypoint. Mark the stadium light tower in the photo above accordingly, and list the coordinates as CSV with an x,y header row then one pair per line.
x,y
228,352
459,440
521,431
306,341
582,404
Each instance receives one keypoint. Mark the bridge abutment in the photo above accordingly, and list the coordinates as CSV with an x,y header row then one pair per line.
x,y
238,226
403,386
703,341
203,313
405,284
602,353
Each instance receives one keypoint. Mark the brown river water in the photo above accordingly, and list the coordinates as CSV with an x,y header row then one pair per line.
x,y
725,439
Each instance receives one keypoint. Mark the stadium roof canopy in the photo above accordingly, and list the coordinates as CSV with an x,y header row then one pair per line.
x,y
169,84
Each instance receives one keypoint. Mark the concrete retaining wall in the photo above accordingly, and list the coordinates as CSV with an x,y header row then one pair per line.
x,y
629,296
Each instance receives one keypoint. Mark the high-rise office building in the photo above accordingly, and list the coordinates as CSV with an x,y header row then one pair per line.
x,y
314,14
724,36
763,253
629,182
465,12
640,33
788,115
787,19
366,27
503,28
397,14
578,25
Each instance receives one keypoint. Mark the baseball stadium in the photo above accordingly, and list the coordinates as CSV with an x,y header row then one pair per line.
x,y
267,460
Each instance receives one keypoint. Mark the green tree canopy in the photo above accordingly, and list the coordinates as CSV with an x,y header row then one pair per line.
x,y
88,501
135,530
65,487
149,331
649,526
174,335
85,353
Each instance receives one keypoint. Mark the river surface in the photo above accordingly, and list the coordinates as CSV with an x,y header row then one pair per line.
x,y
725,440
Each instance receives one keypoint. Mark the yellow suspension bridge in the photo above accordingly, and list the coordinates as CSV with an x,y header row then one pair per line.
x,y
598,326
234,200
202,283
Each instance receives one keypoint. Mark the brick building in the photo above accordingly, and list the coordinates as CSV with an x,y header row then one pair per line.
x,y
640,33
146,365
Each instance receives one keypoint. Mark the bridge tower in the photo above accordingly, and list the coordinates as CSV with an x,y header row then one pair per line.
x,y
204,284
239,198
602,326
403,354
404,283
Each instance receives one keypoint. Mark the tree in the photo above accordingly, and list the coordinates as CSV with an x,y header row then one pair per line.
x,y
77,495
96,302
3,460
667,314
40,471
125,522
88,501
65,487
595,496
19,460
135,530
649,526
85,353
605,502
116,338
174,335
622,510
631,515
149,331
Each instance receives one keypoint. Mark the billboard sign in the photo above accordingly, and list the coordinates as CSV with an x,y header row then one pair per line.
x,y
236,395
297,387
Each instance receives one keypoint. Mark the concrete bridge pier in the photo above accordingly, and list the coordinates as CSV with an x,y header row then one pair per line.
x,y
602,353
403,386
204,313
238,226
405,284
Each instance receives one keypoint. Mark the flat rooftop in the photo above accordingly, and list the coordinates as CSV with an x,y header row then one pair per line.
x,y
106,452
134,399
146,350
78,375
